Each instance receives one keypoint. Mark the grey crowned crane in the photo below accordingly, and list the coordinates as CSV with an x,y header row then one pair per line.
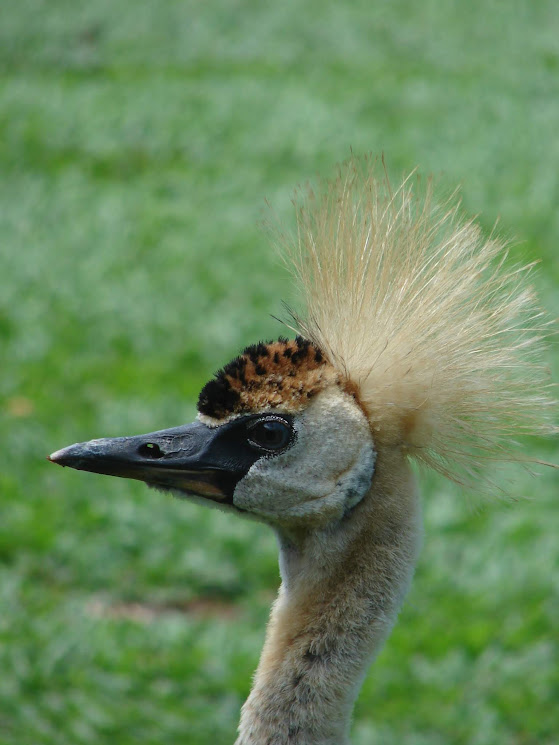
x,y
418,341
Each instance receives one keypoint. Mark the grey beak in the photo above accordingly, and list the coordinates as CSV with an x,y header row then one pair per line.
x,y
193,459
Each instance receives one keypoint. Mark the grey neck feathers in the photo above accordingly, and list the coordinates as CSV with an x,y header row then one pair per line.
x,y
341,590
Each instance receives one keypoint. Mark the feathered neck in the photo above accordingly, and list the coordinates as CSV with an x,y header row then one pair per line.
x,y
341,590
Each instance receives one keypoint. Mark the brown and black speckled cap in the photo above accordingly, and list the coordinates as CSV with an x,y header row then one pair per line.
x,y
278,374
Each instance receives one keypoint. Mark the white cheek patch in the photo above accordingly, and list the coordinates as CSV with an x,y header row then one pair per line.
x,y
326,472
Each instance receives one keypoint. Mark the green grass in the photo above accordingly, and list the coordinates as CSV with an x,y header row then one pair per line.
x,y
137,144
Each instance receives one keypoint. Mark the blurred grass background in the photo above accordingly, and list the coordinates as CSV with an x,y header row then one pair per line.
x,y
137,144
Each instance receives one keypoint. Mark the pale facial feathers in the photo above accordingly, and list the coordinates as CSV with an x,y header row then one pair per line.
x,y
323,475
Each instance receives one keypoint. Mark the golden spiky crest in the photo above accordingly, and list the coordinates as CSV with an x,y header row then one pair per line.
x,y
427,319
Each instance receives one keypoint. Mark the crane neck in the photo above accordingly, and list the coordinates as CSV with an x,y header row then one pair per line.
x,y
341,591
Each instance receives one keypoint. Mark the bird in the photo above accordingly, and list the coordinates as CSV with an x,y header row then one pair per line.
x,y
419,340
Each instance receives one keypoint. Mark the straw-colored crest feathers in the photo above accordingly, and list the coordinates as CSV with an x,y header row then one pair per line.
x,y
430,323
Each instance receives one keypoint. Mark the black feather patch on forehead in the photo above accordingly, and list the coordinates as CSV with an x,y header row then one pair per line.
x,y
284,373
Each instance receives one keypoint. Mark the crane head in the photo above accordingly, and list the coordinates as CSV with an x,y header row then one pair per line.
x,y
278,438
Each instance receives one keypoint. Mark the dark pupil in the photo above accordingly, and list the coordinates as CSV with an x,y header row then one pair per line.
x,y
272,435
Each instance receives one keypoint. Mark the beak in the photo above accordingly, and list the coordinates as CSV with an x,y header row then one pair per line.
x,y
193,459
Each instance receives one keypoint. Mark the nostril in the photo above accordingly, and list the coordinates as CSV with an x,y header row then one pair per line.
x,y
150,450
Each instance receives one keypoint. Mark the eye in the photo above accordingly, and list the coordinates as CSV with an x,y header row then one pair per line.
x,y
270,434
